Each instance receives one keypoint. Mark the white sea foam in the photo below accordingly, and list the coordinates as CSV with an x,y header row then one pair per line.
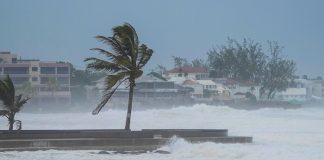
x,y
278,134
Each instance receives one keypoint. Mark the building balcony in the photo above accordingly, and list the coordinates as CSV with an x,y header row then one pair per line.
x,y
158,90
54,75
63,75
56,93
15,65
15,75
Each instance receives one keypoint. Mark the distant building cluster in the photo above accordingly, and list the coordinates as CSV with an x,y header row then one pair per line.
x,y
194,83
47,82
50,83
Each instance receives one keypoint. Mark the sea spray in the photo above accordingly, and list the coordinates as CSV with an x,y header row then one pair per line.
x,y
296,134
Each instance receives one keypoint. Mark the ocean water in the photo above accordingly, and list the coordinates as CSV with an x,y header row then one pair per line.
x,y
296,134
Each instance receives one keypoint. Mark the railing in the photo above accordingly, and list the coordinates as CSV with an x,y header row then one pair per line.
x,y
55,93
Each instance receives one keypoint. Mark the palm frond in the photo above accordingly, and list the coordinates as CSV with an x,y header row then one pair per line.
x,y
122,60
11,87
127,36
111,80
98,64
6,92
135,37
144,55
4,97
138,74
4,113
19,101
106,98
116,46
104,52
127,31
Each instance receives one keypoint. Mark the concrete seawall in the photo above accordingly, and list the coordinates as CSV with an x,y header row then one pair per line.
x,y
120,140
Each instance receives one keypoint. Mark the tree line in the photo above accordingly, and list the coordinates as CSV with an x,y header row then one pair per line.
x,y
248,61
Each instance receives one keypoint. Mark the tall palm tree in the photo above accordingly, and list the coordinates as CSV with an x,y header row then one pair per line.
x,y
10,102
124,63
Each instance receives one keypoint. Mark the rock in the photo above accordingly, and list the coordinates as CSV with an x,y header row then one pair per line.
x,y
104,152
161,152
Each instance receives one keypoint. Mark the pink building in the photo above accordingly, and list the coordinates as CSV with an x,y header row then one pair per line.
x,y
50,80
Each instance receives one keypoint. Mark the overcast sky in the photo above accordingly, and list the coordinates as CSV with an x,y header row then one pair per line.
x,y
63,30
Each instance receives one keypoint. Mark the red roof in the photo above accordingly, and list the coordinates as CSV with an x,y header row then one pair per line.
x,y
188,70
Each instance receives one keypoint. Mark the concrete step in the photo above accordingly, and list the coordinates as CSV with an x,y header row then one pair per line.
x,y
114,144
145,133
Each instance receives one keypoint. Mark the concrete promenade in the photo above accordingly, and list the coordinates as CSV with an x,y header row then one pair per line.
x,y
115,140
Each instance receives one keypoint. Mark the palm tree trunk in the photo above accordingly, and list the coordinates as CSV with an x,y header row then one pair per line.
x,y
130,104
11,121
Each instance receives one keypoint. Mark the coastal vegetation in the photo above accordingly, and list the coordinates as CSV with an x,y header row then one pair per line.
x,y
248,61
11,103
124,63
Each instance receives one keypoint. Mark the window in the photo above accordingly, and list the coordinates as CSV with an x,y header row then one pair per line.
x,y
44,80
62,70
63,100
63,89
16,70
34,79
47,70
63,80
164,85
14,60
43,89
19,80
145,85
34,69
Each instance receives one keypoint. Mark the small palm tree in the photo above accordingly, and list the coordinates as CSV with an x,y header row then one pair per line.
x,y
52,85
11,103
124,63
27,89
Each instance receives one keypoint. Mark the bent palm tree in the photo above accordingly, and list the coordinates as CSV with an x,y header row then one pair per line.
x,y
11,103
124,63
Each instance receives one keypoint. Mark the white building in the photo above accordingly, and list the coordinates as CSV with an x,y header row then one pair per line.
x,y
314,88
179,80
198,89
208,84
293,94
238,90
188,72
207,89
